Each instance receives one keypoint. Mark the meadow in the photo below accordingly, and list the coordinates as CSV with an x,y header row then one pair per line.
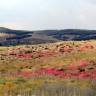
x,y
65,68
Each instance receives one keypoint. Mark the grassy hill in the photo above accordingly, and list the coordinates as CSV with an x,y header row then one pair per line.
x,y
17,37
51,68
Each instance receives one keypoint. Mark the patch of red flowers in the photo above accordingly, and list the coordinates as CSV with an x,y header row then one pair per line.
x,y
86,47
35,54
71,71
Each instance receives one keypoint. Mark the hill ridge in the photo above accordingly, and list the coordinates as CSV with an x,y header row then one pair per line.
x,y
17,37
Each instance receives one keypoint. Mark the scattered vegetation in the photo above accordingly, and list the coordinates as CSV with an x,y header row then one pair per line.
x,y
66,65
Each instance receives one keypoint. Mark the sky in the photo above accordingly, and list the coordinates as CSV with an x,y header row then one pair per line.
x,y
48,14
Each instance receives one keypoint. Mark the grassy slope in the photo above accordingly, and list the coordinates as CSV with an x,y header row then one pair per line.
x,y
59,60
10,63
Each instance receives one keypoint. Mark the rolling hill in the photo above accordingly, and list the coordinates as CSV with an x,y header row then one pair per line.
x,y
17,37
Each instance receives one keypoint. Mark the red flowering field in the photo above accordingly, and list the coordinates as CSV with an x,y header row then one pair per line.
x,y
33,65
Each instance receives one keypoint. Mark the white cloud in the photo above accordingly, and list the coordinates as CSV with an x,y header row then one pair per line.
x,y
8,3
48,14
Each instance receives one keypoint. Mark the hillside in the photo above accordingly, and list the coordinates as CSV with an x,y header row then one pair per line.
x,y
50,68
61,57
17,37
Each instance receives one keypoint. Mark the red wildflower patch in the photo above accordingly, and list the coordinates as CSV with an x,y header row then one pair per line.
x,y
86,47
83,63
72,67
84,75
66,48
26,74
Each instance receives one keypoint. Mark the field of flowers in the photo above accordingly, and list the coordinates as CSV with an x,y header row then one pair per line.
x,y
57,69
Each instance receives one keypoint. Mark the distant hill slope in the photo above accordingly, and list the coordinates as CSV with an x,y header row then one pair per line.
x,y
16,37
70,34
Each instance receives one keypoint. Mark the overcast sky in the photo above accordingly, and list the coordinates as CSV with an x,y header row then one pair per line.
x,y
48,14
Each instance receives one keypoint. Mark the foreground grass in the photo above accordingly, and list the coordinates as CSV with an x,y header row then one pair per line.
x,y
10,64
